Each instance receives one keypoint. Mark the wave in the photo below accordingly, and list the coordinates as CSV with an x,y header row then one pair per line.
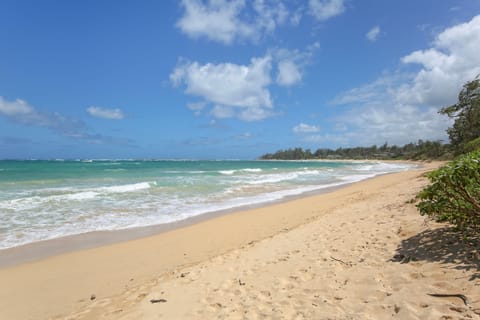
x,y
227,172
72,195
128,187
289,176
384,167
83,205
250,170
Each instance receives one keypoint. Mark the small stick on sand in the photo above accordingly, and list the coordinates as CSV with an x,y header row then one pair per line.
x,y
447,295
158,300
345,263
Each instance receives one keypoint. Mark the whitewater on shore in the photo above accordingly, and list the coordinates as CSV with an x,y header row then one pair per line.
x,y
41,200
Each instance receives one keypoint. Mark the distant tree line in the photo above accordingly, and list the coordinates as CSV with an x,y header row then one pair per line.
x,y
421,150
464,137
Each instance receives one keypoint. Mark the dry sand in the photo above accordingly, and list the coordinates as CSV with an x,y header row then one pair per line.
x,y
361,252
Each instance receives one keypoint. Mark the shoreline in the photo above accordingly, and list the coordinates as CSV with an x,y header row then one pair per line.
x,y
255,261
39,250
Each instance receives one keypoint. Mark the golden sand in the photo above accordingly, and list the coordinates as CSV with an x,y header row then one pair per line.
x,y
360,252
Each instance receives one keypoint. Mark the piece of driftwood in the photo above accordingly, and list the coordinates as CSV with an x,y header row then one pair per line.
x,y
450,295
158,301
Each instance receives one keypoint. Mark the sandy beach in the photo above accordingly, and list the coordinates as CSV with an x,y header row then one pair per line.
x,y
359,252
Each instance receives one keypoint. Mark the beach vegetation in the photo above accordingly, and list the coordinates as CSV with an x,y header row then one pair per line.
x,y
465,131
473,145
454,193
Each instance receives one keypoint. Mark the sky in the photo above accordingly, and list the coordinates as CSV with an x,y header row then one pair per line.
x,y
218,79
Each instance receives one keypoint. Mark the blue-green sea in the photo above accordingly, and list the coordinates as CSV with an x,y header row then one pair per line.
x,y
42,200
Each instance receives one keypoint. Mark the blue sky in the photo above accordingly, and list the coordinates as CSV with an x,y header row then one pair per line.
x,y
228,79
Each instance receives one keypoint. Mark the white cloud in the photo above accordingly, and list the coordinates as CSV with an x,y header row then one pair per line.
x,y
403,107
105,113
373,34
223,112
270,15
22,112
19,111
453,60
291,64
217,20
376,115
288,73
15,108
235,90
325,9
228,21
305,128
241,91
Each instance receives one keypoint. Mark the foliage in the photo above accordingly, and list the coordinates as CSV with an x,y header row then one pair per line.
x,y
416,151
454,193
466,113
473,145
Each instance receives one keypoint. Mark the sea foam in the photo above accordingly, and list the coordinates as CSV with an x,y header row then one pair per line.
x,y
72,197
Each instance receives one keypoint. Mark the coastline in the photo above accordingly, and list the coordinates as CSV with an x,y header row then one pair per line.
x,y
43,249
119,280
115,195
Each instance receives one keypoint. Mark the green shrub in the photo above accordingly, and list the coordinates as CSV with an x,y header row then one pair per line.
x,y
454,193
473,145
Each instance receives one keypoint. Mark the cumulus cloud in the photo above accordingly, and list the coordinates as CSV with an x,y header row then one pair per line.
x,y
291,64
105,113
217,20
402,107
373,34
325,9
227,21
376,114
453,60
234,90
270,14
305,128
231,90
288,73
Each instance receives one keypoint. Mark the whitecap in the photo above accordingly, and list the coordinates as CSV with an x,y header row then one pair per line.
x,y
252,170
227,172
128,187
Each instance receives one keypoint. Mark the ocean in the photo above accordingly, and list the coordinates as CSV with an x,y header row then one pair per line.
x,y
41,200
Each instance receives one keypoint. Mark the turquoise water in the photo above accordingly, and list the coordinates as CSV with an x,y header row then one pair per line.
x,y
42,200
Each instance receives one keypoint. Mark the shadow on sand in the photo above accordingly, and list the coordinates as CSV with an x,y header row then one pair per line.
x,y
443,246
